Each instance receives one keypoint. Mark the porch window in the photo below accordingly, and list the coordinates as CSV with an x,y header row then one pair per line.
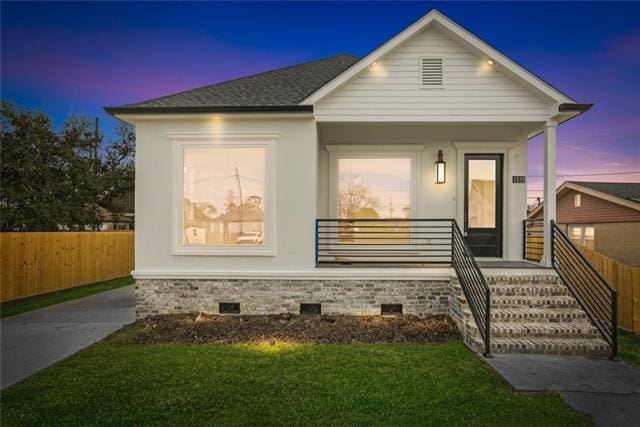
x,y
223,198
374,188
583,235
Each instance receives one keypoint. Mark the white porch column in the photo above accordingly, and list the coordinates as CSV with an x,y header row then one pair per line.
x,y
549,190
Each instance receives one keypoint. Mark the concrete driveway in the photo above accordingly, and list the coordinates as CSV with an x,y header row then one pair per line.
x,y
608,391
35,340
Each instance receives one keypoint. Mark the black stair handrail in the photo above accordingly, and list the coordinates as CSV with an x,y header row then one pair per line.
x,y
473,284
594,293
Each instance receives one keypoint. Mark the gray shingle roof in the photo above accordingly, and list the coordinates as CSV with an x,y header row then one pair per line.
x,y
280,89
623,190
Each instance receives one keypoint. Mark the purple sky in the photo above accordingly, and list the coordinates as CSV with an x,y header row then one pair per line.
x,y
68,58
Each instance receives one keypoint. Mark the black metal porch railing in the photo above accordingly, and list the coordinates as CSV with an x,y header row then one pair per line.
x,y
596,296
411,242
532,239
473,284
383,241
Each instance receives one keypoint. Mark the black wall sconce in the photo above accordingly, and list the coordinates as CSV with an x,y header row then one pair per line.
x,y
441,169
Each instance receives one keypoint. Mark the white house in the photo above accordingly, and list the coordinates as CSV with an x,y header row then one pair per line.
x,y
364,170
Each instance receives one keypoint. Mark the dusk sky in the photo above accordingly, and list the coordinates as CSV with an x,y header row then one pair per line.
x,y
74,58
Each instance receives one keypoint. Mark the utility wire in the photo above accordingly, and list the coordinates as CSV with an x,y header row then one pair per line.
x,y
589,174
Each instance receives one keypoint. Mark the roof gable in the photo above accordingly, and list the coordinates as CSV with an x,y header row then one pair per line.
x,y
467,88
623,190
461,35
624,194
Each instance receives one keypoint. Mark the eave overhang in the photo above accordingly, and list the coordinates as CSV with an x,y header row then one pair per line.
x,y
213,109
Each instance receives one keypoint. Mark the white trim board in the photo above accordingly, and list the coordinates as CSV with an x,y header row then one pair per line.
x,y
347,273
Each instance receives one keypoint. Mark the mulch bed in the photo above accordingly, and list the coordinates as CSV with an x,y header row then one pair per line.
x,y
201,328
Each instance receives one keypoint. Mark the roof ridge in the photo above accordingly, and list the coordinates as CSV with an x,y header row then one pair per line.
x,y
241,78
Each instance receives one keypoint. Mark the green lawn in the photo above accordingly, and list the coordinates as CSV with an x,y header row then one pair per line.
x,y
12,308
629,347
115,382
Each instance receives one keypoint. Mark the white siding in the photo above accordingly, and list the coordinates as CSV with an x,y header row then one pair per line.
x,y
391,88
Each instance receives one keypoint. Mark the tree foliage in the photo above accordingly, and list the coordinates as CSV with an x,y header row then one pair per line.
x,y
355,197
58,179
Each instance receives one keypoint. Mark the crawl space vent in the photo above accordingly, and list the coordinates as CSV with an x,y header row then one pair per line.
x,y
391,309
229,308
310,309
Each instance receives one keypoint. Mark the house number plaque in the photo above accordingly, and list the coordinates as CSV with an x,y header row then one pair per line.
x,y
518,179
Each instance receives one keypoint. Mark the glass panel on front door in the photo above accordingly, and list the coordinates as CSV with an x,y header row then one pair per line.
x,y
482,193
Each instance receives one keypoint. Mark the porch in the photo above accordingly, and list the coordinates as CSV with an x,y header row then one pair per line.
x,y
423,177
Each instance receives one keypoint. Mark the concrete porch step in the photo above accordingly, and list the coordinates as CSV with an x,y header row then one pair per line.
x,y
544,315
567,346
541,301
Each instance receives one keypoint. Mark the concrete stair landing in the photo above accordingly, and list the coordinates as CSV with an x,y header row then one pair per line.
x,y
533,314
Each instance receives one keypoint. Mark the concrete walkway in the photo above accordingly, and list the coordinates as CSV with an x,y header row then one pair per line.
x,y
608,391
37,339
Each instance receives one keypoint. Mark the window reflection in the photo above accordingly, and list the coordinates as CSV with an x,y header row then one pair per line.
x,y
223,196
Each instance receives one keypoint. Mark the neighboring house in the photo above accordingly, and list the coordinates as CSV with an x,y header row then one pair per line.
x,y
603,216
242,224
425,135
118,214
109,221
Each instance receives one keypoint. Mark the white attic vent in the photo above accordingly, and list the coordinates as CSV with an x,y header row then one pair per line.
x,y
431,72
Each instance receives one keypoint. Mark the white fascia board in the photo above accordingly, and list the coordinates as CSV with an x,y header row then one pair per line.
x,y
461,34
135,118
443,273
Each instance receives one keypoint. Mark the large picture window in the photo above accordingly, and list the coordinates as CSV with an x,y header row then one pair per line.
x,y
223,198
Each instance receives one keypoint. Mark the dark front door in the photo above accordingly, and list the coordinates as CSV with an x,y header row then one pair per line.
x,y
483,203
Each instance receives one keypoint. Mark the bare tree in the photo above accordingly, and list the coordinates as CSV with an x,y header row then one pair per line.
x,y
354,196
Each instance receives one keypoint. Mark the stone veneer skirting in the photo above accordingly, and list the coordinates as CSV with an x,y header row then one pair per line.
x,y
273,296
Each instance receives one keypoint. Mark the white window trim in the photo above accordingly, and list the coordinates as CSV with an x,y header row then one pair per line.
x,y
386,151
422,86
184,140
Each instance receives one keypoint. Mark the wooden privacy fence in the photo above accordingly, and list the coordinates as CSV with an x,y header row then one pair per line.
x,y
626,280
40,262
